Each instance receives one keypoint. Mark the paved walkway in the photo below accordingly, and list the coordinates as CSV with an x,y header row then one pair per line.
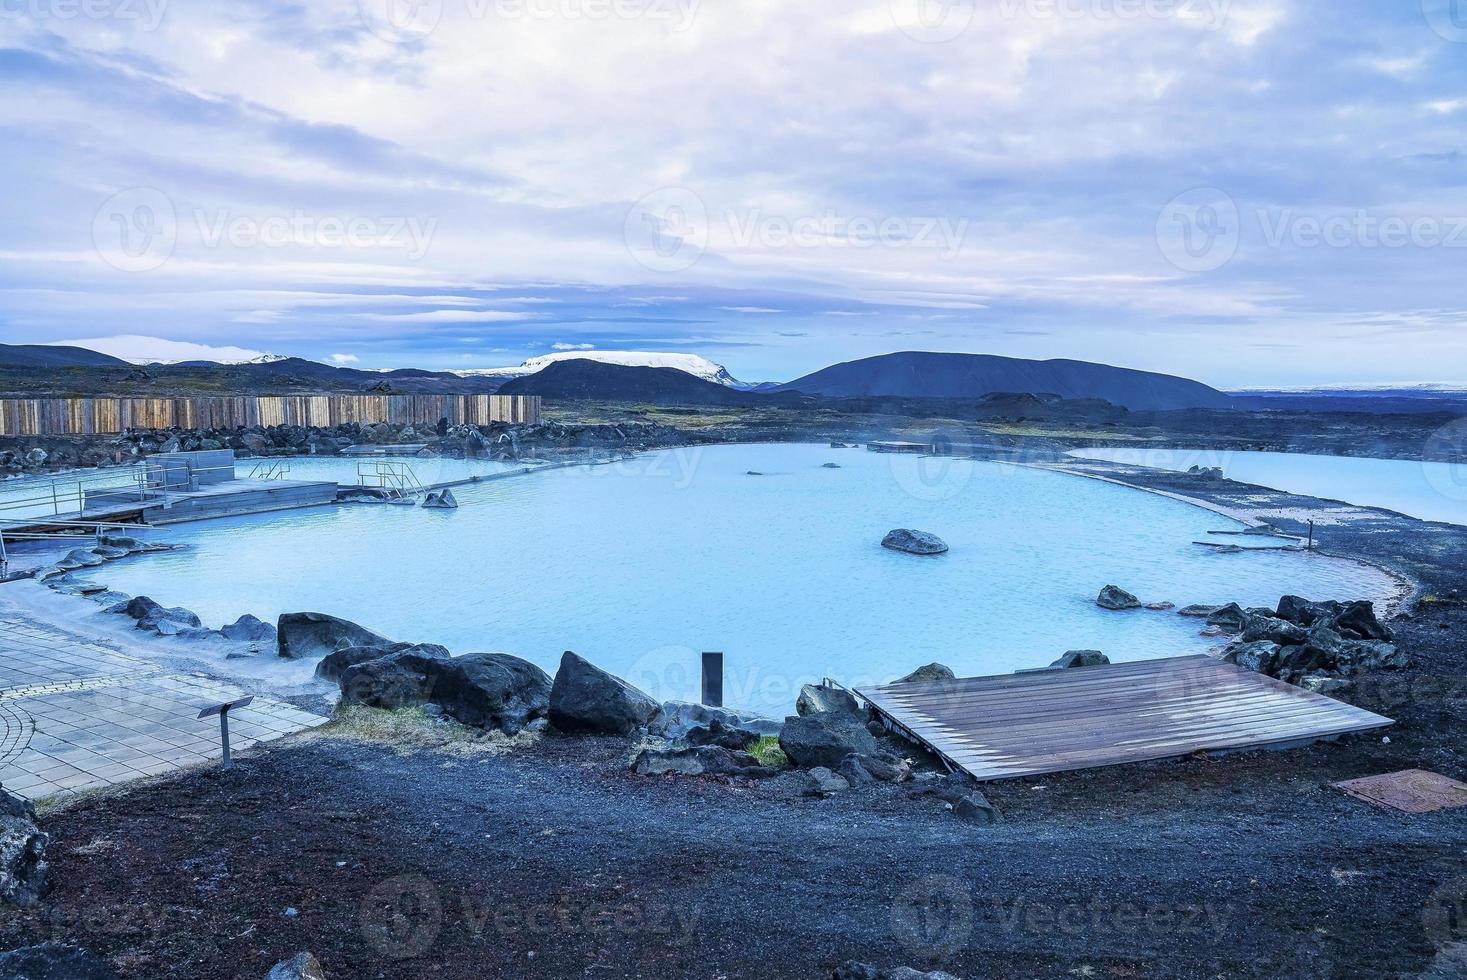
x,y
75,715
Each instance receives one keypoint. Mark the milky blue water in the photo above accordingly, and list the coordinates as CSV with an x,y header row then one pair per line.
x,y
1430,491
642,564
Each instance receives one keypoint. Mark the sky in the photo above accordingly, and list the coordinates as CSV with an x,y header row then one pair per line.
x,y
1248,192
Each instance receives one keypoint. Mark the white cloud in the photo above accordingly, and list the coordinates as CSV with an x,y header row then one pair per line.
x,y
344,359
561,345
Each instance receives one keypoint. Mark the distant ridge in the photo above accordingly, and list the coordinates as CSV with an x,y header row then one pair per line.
x,y
921,374
694,364
598,380
44,355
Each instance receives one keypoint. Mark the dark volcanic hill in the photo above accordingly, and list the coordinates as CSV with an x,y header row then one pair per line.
x,y
919,374
43,355
596,380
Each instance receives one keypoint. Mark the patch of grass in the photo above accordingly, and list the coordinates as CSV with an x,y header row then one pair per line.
x,y
412,729
768,752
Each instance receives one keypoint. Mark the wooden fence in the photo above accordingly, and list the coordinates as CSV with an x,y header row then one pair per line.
x,y
85,416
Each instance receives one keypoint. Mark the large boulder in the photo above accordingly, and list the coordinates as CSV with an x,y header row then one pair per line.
x,y
1259,655
914,542
585,698
53,961
1357,620
825,739
818,699
334,664
1230,618
302,966
928,674
1303,612
676,719
398,680
1081,658
1273,629
1115,597
153,616
305,635
24,871
490,690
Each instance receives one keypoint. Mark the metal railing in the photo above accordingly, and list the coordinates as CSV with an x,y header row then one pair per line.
x,y
393,478
29,529
270,469
46,497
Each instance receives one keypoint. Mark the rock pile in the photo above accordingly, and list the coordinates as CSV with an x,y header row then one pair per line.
x,y
1305,642
24,871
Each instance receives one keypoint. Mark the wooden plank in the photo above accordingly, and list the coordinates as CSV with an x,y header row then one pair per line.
x,y
1029,724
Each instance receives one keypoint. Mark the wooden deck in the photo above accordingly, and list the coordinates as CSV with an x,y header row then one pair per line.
x,y
1038,722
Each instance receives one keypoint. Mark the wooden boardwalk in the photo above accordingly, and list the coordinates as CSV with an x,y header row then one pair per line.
x,y
1037,722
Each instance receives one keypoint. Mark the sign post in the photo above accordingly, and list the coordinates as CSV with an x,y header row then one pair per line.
x,y
222,710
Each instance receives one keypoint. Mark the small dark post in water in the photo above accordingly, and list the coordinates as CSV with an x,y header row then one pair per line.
x,y
222,710
1311,535
713,679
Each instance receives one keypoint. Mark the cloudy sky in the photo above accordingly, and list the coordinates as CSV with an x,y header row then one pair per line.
x,y
1252,192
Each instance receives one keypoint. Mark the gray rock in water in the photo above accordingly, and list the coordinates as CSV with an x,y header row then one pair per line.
x,y
307,635
1081,658
585,698
249,629
928,674
1231,618
1115,597
491,690
974,808
24,872
83,558
914,542
54,961
302,966
816,699
1161,606
830,466
825,739
1198,610
820,781
702,760
441,500
152,616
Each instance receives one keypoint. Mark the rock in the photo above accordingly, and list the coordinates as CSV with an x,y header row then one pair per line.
x,y
248,629
929,674
1357,620
1161,606
24,871
53,961
1230,618
974,808
1260,655
302,966
1198,610
675,719
820,781
830,466
1114,597
1302,612
490,690
1372,655
586,698
914,542
1271,628
714,733
702,760
878,768
816,699
398,680
334,664
854,773
83,558
1081,658
305,635
1323,684
440,499
152,616
824,739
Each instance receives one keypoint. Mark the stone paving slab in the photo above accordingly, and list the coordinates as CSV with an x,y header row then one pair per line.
x,y
75,715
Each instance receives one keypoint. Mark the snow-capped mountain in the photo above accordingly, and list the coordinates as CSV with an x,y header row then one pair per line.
x,y
697,366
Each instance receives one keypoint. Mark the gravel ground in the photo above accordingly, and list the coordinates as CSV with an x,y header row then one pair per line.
x,y
549,859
